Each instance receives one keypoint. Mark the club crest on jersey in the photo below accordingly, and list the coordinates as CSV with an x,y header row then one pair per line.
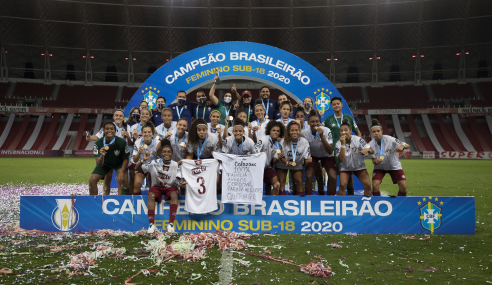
x,y
289,153
430,213
64,216
165,168
117,152
150,95
95,150
323,99
198,170
198,162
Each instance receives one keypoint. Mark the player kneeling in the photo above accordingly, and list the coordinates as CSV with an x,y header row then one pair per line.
x,y
111,152
351,149
164,180
385,159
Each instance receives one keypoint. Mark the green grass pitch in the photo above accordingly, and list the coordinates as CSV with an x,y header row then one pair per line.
x,y
371,259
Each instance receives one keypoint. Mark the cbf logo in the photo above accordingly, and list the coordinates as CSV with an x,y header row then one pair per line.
x,y
430,214
323,99
150,95
64,216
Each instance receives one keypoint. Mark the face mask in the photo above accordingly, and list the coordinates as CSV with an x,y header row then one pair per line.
x,y
161,105
181,101
201,99
308,105
227,99
136,116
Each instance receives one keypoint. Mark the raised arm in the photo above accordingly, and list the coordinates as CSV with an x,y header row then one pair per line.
x,y
214,98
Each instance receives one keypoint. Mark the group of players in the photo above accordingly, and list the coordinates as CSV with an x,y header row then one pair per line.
x,y
153,142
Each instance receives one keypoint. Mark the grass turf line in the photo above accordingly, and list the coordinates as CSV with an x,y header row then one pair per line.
x,y
372,259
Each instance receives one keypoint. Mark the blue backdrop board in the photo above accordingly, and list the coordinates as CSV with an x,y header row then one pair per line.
x,y
279,214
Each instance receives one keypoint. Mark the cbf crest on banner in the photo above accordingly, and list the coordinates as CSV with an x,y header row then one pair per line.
x,y
65,216
272,66
430,214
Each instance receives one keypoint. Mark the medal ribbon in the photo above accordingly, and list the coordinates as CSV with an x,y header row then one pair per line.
x,y
381,149
199,150
104,141
336,120
118,128
198,107
275,145
237,148
179,112
294,152
267,107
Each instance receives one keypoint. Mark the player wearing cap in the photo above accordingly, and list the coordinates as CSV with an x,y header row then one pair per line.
x,y
321,147
165,182
168,127
157,112
350,150
111,152
200,143
271,146
285,111
201,110
295,153
146,144
333,123
278,113
238,143
260,123
385,159
225,107
244,103
183,108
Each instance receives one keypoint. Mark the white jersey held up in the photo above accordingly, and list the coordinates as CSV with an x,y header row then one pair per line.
x,y
265,145
163,175
315,143
232,147
201,187
390,161
353,161
242,178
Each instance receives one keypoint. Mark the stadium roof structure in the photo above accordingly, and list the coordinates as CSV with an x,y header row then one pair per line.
x,y
350,41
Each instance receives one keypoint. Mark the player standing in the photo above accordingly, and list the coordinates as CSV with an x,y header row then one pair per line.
x,y
136,132
164,173
225,107
261,121
238,143
146,144
285,113
200,143
247,126
295,153
168,127
385,159
271,146
278,114
182,109
111,152
214,128
321,147
350,150
179,141
333,123
134,117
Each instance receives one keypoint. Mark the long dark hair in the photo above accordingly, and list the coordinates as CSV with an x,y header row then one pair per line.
x,y
130,117
287,138
192,134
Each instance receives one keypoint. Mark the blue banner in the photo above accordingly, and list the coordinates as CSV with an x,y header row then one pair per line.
x,y
279,214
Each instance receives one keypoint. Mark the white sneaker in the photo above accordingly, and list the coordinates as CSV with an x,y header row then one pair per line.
x,y
170,228
151,229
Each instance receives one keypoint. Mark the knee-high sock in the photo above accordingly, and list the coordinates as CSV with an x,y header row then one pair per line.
x,y
350,190
376,193
172,212
151,216
402,193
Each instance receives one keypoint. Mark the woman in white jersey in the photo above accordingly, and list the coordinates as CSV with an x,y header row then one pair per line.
x,y
285,111
200,143
321,147
121,131
385,159
214,128
350,150
238,143
168,127
136,132
295,153
300,117
146,144
259,125
179,140
165,182
247,126
271,146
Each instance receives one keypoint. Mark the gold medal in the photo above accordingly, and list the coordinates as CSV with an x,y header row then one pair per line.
x,y
259,127
168,134
381,157
293,164
230,118
266,117
182,144
278,151
145,146
135,131
150,152
157,138
106,147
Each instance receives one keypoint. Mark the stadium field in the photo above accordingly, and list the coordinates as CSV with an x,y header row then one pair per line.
x,y
363,259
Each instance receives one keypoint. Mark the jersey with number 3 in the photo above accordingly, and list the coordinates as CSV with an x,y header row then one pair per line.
x,y
201,187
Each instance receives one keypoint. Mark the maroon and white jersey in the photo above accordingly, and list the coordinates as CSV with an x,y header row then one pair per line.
x,y
178,152
211,145
303,152
261,132
134,127
162,130
265,145
390,161
353,160
317,148
201,187
230,146
230,130
151,147
285,121
214,131
162,175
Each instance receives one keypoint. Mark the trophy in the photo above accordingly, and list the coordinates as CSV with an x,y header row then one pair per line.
x,y
217,79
